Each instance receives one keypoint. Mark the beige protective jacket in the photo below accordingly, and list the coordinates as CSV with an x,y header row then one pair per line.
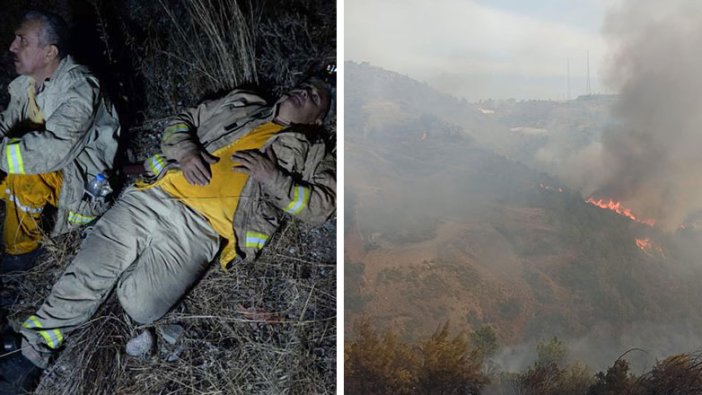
x,y
305,188
79,137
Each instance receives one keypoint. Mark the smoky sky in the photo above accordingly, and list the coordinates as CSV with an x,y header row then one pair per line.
x,y
480,49
651,154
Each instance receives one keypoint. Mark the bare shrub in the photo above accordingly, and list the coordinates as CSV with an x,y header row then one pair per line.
x,y
676,375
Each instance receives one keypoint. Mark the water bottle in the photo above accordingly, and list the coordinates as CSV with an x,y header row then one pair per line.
x,y
98,187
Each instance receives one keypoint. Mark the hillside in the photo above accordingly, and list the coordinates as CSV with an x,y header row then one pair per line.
x,y
450,218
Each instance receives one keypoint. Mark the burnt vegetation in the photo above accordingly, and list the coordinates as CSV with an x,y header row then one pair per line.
x,y
265,327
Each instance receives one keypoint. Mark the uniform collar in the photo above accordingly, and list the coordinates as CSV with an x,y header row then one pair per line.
x,y
64,65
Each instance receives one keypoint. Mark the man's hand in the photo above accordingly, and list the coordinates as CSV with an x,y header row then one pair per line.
x,y
196,167
256,164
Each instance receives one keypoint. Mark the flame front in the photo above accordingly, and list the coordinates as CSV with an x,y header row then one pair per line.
x,y
618,208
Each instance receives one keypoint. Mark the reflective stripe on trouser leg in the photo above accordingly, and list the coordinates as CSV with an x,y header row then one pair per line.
x,y
25,197
39,341
52,337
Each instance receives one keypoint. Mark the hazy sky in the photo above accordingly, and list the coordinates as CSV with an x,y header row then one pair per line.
x,y
481,49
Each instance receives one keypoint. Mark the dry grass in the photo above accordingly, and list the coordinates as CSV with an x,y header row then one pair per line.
x,y
295,40
216,40
676,375
264,327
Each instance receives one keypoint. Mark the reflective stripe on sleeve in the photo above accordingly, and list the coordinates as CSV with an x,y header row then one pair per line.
x,y
255,240
175,128
15,165
79,219
300,198
157,163
27,209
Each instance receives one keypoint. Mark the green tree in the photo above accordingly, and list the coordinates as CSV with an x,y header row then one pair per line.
x,y
378,363
448,366
575,379
551,376
616,381
484,339
551,352
540,379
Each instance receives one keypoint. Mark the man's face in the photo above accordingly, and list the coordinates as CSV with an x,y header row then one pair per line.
x,y
304,104
29,55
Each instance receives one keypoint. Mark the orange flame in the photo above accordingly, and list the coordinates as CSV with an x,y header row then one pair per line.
x,y
649,247
644,244
617,207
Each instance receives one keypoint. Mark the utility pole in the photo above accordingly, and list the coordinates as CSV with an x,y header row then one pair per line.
x,y
589,87
568,94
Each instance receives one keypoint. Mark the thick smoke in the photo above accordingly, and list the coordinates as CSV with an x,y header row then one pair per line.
x,y
652,154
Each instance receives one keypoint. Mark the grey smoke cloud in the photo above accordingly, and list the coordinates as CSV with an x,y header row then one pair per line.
x,y
651,156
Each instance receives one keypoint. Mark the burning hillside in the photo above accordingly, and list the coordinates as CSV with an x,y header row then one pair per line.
x,y
619,208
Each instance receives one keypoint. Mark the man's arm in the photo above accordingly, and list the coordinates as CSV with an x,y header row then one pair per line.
x,y
180,142
12,114
312,200
8,119
182,137
54,148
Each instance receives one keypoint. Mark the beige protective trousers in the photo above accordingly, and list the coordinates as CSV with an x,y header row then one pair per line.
x,y
149,246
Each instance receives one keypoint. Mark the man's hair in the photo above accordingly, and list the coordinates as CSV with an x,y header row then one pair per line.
x,y
326,78
54,30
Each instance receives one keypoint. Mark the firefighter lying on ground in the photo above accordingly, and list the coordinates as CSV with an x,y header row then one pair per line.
x,y
229,167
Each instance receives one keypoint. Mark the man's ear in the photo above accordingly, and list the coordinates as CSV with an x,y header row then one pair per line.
x,y
52,52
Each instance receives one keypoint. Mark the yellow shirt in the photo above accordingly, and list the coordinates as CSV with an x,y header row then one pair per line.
x,y
217,201
33,112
